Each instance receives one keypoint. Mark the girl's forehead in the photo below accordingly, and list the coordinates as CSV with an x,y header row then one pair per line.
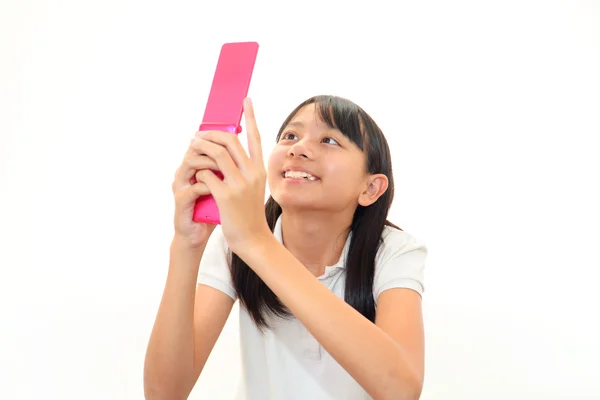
x,y
307,115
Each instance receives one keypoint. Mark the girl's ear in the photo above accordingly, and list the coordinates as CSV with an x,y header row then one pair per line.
x,y
376,186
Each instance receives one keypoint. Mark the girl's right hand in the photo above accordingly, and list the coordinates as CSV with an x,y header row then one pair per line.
x,y
186,189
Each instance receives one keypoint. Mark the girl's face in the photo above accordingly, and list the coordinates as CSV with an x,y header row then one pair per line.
x,y
336,164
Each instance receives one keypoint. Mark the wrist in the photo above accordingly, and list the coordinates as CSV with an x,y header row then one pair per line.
x,y
257,246
184,244
184,259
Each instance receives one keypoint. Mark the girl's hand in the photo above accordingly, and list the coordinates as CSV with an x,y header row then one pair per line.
x,y
186,190
240,196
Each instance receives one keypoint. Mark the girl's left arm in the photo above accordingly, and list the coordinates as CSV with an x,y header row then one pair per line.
x,y
385,358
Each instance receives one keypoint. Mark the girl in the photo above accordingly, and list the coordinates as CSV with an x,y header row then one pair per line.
x,y
329,290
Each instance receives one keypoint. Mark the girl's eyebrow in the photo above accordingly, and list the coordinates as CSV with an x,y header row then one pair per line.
x,y
297,124
300,125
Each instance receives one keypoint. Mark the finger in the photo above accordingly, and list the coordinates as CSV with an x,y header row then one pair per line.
x,y
215,186
198,177
254,139
232,143
196,190
219,146
191,163
192,193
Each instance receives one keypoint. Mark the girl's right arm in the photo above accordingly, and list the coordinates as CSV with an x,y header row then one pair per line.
x,y
190,317
189,321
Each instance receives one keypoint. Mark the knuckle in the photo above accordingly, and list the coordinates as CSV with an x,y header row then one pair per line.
x,y
220,152
177,196
258,175
228,139
227,196
202,174
231,139
198,188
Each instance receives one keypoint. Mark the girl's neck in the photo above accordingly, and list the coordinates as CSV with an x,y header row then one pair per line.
x,y
315,239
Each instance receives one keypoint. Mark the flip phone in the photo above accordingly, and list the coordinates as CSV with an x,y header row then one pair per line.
x,y
224,108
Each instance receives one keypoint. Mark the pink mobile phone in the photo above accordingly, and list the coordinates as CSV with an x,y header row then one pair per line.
x,y
225,107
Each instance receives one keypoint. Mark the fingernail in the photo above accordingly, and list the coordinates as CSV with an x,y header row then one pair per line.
x,y
248,101
199,134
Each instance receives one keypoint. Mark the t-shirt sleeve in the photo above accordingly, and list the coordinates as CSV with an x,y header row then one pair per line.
x,y
400,264
214,266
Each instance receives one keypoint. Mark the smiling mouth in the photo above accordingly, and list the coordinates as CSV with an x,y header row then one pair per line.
x,y
298,175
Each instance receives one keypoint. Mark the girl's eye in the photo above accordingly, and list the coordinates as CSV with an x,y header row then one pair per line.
x,y
335,142
287,135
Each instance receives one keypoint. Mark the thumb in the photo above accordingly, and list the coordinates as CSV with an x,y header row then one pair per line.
x,y
191,194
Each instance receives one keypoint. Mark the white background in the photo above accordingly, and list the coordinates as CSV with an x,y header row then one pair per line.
x,y
491,110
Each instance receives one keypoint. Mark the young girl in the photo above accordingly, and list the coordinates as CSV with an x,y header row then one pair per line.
x,y
329,290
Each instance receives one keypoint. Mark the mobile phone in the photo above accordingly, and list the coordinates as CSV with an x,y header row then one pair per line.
x,y
224,108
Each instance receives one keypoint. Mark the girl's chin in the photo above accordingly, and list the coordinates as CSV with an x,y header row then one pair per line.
x,y
292,198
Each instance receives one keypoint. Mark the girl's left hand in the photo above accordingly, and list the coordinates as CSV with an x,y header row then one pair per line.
x,y
240,196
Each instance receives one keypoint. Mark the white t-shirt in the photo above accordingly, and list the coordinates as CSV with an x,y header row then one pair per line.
x,y
288,363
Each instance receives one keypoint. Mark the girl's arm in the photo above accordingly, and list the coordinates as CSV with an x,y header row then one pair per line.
x,y
188,323
388,365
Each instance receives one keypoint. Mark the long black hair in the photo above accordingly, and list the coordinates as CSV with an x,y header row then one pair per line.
x,y
367,223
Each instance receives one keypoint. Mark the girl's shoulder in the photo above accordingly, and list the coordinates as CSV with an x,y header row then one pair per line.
x,y
396,242
400,262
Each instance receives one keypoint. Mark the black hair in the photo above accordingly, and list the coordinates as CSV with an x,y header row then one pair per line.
x,y
366,227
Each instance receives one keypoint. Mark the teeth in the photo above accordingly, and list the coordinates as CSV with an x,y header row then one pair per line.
x,y
299,174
